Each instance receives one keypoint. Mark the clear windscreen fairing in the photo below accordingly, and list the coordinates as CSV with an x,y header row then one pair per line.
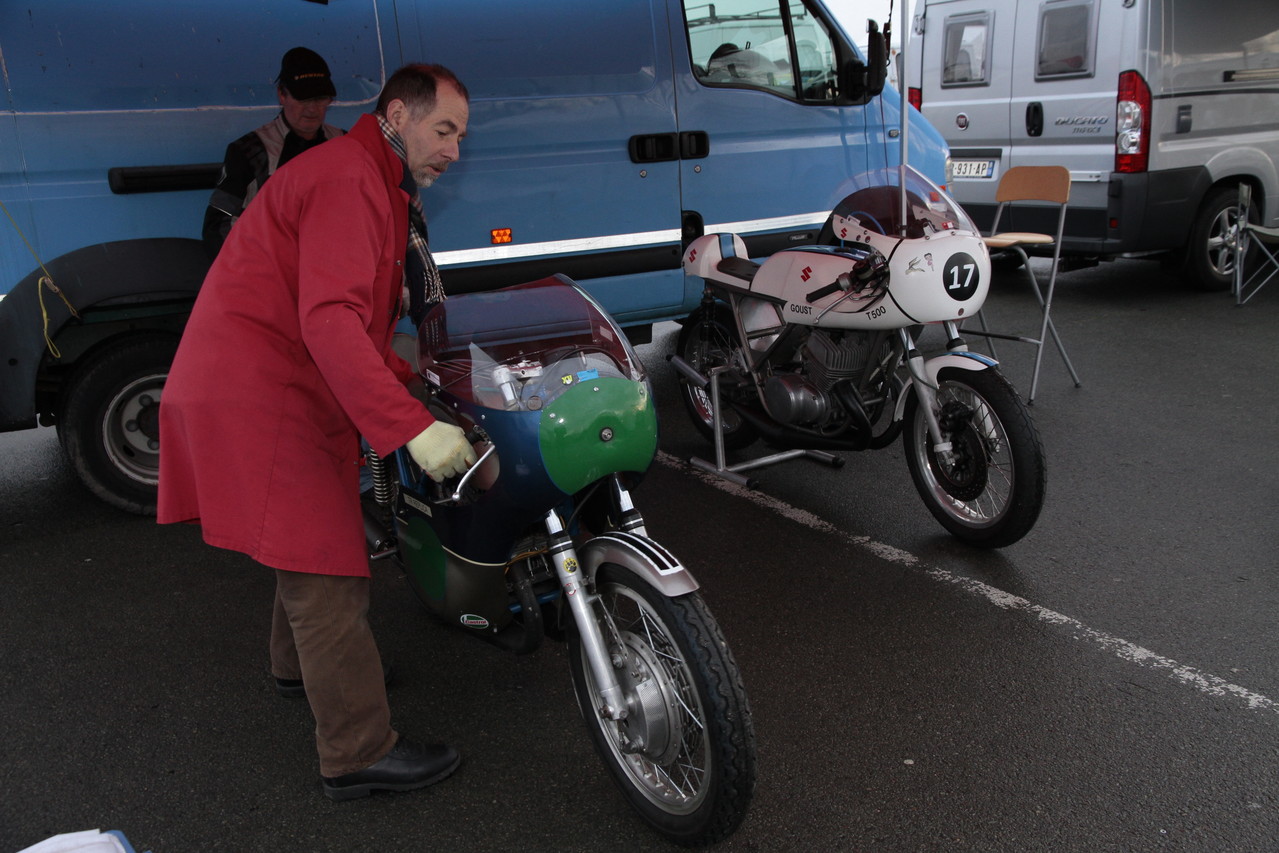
x,y
519,348
875,203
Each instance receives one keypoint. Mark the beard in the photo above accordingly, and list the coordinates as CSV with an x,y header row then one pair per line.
x,y
426,175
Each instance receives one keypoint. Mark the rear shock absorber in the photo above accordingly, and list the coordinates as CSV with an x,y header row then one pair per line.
x,y
381,477
378,523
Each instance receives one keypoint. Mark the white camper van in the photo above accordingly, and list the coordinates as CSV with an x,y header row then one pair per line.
x,y
1159,109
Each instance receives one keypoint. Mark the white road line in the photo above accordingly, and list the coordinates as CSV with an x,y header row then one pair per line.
x,y
1198,679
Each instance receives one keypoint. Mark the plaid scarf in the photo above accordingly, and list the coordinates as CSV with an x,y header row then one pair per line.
x,y
421,276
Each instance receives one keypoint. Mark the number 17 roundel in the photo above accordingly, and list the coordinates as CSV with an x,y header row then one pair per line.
x,y
961,276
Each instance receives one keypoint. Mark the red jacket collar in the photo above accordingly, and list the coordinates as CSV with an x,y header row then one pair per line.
x,y
368,133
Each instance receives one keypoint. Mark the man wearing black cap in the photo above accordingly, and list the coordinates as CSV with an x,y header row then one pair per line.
x,y
305,90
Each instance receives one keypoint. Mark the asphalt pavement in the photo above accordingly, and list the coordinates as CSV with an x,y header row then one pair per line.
x,y
1110,683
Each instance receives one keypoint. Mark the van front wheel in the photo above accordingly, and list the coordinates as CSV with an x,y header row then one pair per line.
x,y
109,424
1211,252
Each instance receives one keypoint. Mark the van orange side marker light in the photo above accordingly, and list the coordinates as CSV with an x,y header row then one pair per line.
x,y
500,235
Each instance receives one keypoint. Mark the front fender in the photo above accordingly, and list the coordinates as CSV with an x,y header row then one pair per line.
x,y
641,555
935,365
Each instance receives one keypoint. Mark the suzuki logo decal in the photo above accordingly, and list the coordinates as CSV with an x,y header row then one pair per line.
x,y
806,273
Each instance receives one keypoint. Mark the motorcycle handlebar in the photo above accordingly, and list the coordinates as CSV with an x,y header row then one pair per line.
x,y
822,292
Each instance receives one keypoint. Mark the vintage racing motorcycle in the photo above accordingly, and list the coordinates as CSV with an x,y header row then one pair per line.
x,y
540,537
815,350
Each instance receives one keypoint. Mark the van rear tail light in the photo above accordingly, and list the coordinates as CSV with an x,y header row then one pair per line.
x,y
1132,124
915,96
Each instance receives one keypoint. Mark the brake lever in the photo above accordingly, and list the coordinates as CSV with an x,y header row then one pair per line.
x,y
461,484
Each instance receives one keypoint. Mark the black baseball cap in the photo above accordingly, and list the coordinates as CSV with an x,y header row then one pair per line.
x,y
305,75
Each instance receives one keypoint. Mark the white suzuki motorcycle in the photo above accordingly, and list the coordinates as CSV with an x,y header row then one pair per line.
x,y
815,350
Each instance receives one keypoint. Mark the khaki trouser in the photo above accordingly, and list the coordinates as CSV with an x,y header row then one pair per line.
x,y
320,633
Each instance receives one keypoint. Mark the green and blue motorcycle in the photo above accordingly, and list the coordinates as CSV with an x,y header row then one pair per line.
x,y
541,538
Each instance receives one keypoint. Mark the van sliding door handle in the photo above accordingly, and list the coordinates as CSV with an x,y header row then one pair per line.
x,y
1034,119
653,147
661,147
694,144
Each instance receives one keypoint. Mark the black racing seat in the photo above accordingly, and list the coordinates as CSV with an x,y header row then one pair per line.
x,y
740,268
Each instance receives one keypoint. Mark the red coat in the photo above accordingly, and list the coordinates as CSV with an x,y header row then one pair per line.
x,y
287,360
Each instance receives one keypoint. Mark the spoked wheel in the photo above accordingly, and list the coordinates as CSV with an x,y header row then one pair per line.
x,y
991,488
708,340
684,756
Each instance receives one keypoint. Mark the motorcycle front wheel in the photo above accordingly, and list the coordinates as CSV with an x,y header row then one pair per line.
x,y
684,756
990,491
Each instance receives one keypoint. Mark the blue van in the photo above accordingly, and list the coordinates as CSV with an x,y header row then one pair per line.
x,y
603,138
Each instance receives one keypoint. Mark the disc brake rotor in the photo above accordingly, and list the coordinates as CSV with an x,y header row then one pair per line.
x,y
964,478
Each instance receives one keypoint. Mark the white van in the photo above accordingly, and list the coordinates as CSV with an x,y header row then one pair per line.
x,y
1159,109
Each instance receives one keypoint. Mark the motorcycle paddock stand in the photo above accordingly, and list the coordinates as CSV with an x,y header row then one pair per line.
x,y
719,467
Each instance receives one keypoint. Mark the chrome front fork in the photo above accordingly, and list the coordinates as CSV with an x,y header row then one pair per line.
x,y
927,392
580,601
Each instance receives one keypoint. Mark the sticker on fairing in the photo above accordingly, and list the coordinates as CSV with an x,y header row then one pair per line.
x,y
470,620
961,276
418,505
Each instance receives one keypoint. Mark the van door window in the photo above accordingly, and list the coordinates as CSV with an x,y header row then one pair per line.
x,y
780,46
1067,39
967,46
815,55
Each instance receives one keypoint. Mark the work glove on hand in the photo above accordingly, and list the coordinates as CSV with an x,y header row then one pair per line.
x,y
442,450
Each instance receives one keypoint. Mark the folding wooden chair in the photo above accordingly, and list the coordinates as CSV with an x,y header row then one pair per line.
x,y
1032,184
1266,252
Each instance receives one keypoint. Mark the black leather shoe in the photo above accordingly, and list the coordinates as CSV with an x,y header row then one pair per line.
x,y
407,767
293,688
290,688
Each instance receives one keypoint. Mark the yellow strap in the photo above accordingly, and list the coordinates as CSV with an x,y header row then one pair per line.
x,y
46,280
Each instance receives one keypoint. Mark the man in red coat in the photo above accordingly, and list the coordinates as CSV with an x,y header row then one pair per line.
x,y
285,362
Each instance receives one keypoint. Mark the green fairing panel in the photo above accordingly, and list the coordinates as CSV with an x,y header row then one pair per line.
x,y
599,426
451,586
424,557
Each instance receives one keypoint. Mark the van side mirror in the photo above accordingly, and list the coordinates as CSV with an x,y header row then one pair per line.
x,y
852,82
876,59
860,81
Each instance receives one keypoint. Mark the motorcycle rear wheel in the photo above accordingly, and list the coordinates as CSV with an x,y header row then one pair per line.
x,y
684,757
991,493
708,339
